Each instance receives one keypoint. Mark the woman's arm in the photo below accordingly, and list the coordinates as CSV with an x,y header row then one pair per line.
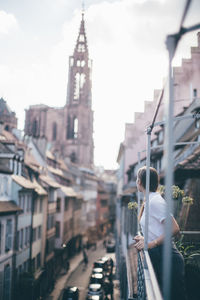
x,y
140,239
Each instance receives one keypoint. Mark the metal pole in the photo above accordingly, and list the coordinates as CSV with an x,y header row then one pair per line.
x,y
147,189
168,148
138,195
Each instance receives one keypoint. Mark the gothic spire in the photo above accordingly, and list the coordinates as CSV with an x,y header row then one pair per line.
x,y
81,44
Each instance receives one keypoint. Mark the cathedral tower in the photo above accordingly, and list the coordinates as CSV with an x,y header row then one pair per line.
x,y
69,129
79,133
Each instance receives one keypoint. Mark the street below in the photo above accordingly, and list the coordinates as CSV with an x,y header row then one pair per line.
x,y
80,277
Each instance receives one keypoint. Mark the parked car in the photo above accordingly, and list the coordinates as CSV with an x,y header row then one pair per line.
x,y
95,289
97,278
99,264
94,297
70,293
97,271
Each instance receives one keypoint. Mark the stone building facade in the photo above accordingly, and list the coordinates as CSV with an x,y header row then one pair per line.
x,y
69,129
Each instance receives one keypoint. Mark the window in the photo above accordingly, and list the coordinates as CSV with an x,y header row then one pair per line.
x,y
5,185
8,244
81,48
58,204
0,236
81,38
73,157
82,63
51,196
21,238
39,232
38,260
57,229
34,234
77,86
75,128
54,132
50,221
66,203
50,245
35,205
33,264
197,123
7,282
82,80
29,234
35,128
26,235
104,203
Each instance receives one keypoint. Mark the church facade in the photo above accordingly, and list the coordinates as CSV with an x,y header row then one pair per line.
x,y
69,129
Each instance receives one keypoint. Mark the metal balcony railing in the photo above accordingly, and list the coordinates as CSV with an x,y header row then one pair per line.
x,y
147,285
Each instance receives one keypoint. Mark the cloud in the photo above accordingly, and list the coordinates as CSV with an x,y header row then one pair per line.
x,y
8,23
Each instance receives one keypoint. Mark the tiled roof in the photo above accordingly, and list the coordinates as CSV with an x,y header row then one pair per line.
x,y
59,172
30,161
27,184
68,191
49,181
8,207
191,162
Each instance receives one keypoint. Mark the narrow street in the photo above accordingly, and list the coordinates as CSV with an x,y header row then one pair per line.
x,y
80,277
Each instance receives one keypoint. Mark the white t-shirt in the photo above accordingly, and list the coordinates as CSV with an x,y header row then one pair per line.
x,y
157,214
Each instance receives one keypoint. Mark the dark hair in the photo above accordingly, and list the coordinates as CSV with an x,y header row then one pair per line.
x,y
154,178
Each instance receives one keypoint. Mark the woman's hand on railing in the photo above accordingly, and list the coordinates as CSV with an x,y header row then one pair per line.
x,y
139,242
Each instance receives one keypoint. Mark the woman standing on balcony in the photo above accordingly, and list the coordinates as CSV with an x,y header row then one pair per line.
x,y
157,212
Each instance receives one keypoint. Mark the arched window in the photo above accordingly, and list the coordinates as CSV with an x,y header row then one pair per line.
x,y
35,128
82,80
69,131
77,86
54,131
75,127
72,128
79,83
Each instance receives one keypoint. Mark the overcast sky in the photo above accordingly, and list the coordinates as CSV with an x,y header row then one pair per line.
x,y
126,40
